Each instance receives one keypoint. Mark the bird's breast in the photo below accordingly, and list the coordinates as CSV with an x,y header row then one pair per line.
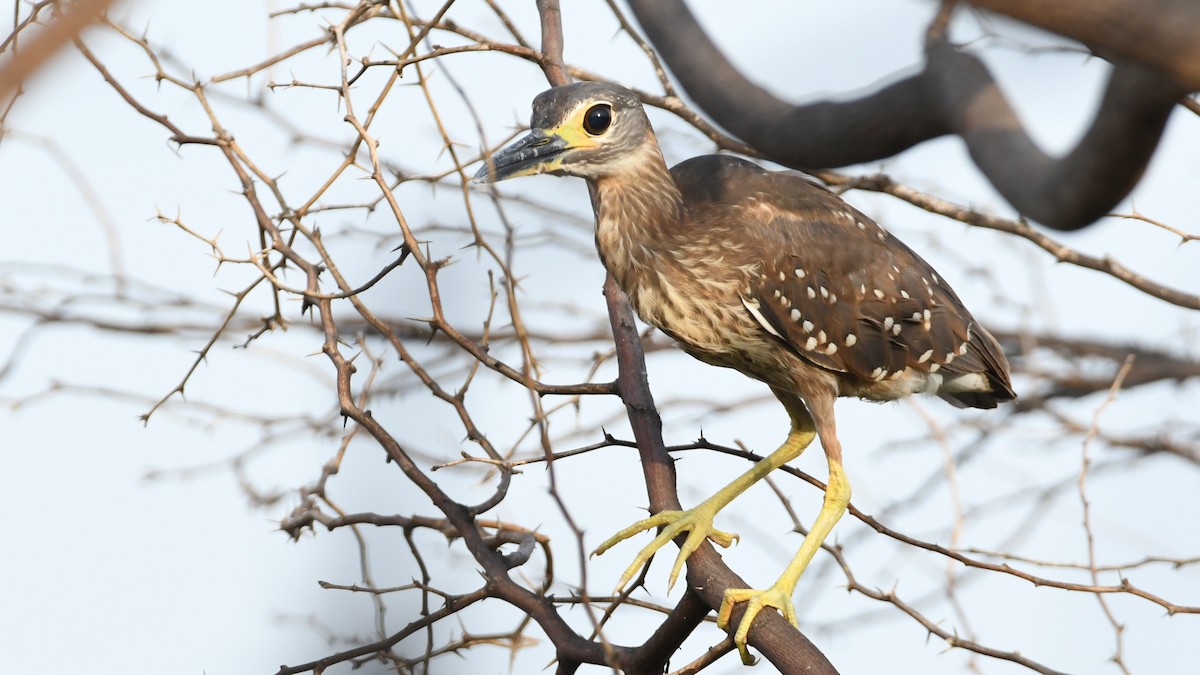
x,y
684,289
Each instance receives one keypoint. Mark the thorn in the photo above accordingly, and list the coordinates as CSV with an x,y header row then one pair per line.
x,y
405,251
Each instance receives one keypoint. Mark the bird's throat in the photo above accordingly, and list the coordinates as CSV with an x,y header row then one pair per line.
x,y
638,212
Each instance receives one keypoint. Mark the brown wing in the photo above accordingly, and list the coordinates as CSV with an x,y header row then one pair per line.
x,y
841,291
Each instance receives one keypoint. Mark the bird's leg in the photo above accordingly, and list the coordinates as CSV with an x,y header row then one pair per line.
x,y
698,521
779,595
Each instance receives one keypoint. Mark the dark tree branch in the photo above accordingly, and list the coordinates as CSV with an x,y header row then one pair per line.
x,y
552,43
1068,192
452,606
1160,34
658,649
954,94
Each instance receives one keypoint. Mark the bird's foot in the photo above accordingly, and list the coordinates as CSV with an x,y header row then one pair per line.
x,y
778,596
697,522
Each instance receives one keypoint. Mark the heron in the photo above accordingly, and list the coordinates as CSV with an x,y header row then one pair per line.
x,y
767,273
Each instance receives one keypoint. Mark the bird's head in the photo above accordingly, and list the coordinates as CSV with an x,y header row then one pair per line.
x,y
588,129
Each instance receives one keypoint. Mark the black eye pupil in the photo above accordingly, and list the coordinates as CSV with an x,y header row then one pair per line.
x,y
597,119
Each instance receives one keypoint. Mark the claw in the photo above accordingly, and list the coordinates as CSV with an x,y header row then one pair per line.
x,y
775,596
696,522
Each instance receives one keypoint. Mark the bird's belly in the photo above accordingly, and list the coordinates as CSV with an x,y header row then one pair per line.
x,y
707,328
725,338
698,303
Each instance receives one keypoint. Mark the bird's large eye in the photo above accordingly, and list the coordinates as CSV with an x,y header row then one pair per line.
x,y
597,119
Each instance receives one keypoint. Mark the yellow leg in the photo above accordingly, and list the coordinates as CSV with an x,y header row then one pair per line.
x,y
779,595
698,521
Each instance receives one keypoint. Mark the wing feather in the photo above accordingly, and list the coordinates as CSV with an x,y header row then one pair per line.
x,y
834,286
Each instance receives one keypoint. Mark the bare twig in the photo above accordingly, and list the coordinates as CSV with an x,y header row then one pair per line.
x,y
1118,629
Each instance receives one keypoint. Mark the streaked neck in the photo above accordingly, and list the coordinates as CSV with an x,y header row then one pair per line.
x,y
637,206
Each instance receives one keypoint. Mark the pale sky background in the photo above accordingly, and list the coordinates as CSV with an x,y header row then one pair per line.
x,y
104,569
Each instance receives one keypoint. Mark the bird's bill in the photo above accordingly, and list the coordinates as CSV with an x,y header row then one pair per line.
x,y
541,151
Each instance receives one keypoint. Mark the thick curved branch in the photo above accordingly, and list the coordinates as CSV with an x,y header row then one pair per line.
x,y
1068,192
1160,34
954,94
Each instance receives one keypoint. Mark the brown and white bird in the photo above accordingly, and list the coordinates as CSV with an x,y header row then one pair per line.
x,y
766,273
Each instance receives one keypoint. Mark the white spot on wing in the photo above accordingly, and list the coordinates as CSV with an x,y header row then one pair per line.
x,y
799,273
811,344
925,357
811,292
795,315
808,326
851,339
